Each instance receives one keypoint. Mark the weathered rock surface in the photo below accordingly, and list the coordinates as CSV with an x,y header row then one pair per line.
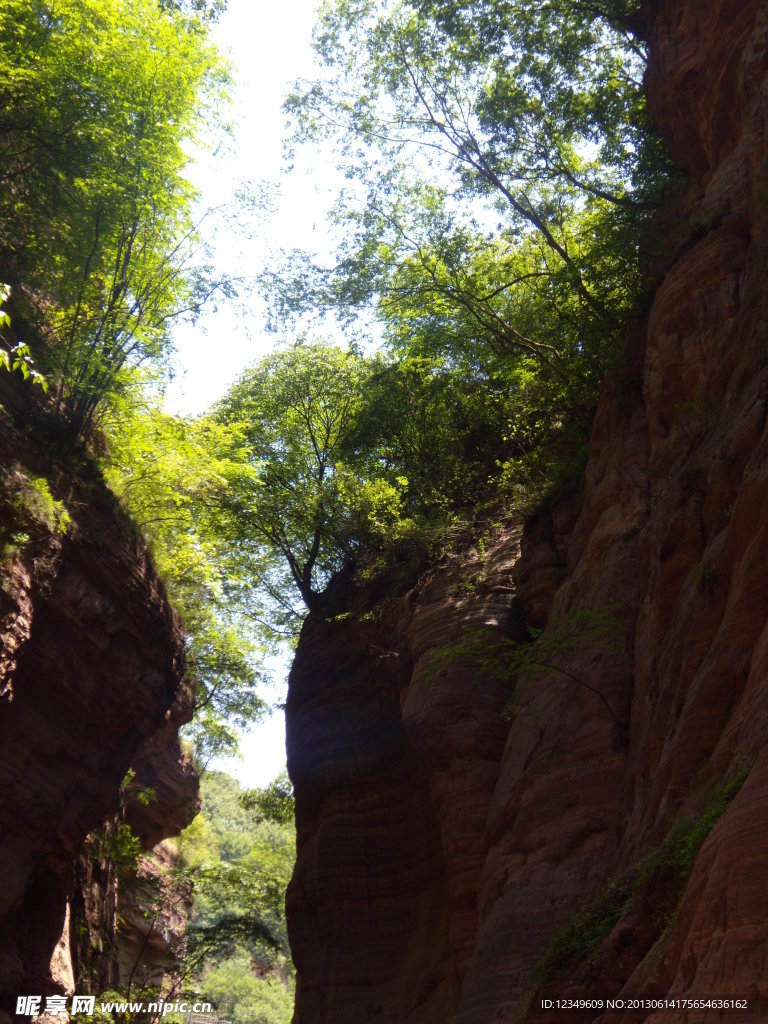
x,y
394,756
154,909
128,927
92,668
451,820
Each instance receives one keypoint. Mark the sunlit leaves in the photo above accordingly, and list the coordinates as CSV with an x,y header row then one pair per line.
x,y
531,114
17,356
173,476
315,502
240,864
502,172
274,803
99,100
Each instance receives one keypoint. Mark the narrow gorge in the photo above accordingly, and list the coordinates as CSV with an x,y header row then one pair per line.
x,y
530,768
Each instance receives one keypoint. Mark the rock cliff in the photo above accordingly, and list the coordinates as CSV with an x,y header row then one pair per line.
x,y
477,833
92,683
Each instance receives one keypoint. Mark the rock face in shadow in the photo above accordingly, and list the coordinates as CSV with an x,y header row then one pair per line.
x,y
455,820
92,667
394,752
128,921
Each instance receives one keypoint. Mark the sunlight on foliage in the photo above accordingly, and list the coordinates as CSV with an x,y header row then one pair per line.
x,y
317,499
18,356
99,101
502,171
172,474
241,863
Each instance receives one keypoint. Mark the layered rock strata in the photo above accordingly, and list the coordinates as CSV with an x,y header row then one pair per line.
x,y
128,920
394,753
452,826
92,668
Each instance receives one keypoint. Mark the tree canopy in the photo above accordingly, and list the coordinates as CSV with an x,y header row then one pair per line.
x,y
501,172
502,169
99,103
318,497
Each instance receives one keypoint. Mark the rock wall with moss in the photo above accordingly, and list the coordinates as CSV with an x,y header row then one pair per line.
x,y
92,683
485,821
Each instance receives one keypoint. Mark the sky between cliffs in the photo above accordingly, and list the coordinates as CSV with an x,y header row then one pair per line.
x,y
269,46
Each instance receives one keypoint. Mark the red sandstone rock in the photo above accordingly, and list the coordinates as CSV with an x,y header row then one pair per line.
x,y
92,666
629,733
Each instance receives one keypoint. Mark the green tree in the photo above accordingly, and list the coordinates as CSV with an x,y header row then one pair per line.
x,y
246,998
537,110
172,475
240,863
502,170
317,499
439,426
99,100
274,803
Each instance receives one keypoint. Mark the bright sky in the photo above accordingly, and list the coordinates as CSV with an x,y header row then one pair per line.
x,y
269,46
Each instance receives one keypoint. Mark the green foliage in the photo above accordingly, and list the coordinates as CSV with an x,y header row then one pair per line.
x,y
99,103
507,658
18,356
172,475
144,795
502,169
585,934
317,497
240,862
244,882
199,843
32,513
346,457
245,998
35,502
439,425
275,803
223,809
670,865
99,99
122,847
208,10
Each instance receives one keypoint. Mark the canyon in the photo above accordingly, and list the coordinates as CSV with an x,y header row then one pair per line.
x,y
532,769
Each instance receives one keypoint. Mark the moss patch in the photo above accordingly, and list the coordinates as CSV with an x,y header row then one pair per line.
x,y
661,877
